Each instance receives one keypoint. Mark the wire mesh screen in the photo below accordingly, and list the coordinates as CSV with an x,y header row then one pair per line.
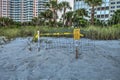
x,y
67,44
56,43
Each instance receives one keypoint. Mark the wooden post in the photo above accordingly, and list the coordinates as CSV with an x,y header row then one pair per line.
x,y
76,33
77,52
38,40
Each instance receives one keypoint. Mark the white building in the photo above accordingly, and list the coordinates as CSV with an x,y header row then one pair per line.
x,y
114,5
103,12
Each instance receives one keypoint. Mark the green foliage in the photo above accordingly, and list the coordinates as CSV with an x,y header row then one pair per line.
x,y
53,6
78,18
9,32
68,18
4,21
34,21
46,15
100,23
80,22
26,31
81,12
115,19
91,32
93,2
64,6
102,33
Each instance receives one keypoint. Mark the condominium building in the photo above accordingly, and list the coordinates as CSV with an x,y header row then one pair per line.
x,y
114,5
4,8
27,9
102,12
18,10
41,5
21,10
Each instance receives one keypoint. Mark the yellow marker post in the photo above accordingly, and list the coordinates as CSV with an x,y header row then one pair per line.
x,y
76,34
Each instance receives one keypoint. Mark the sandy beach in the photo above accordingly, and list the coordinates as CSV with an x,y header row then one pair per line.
x,y
98,59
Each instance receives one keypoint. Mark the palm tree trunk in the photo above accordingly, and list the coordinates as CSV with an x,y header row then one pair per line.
x,y
70,22
54,17
92,15
64,16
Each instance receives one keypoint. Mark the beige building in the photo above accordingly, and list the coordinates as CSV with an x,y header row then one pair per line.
x,y
4,8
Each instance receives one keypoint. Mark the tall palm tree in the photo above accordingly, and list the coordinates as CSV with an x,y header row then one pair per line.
x,y
53,6
64,6
93,4
68,18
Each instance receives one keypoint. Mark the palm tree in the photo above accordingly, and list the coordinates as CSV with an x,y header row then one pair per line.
x,y
81,12
78,17
68,18
64,6
115,19
93,4
53,6
46,16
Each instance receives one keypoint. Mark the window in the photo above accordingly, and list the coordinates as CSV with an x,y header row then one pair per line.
x,y
98,16
107,8
118,2
112,2
112,11
112,7
98,8
102,16
103,8
118,6
106,16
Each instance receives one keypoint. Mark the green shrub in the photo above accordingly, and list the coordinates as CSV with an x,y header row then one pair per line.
x,y
102,33
9,33
91,32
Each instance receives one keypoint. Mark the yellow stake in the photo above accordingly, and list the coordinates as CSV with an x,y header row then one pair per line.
x,y
77,34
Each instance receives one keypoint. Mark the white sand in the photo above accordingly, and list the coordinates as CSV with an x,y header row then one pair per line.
x,y
98,60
